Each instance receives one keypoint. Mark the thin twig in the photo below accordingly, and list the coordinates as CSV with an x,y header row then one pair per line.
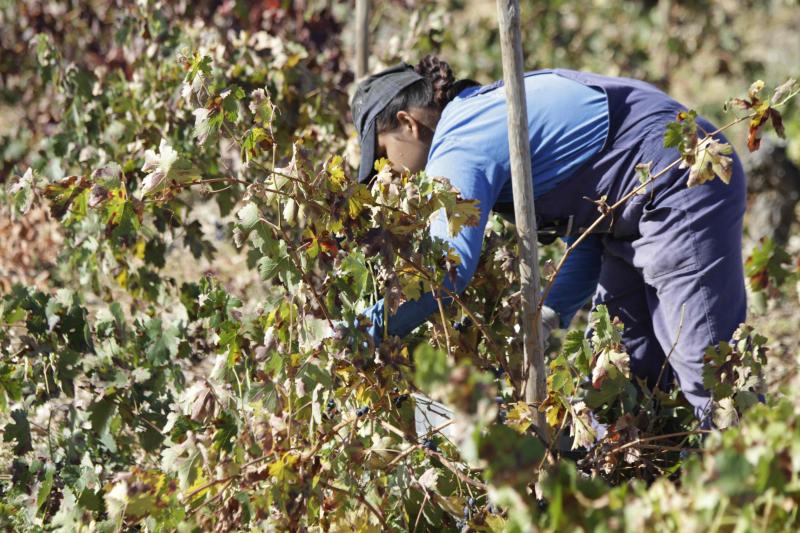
x,y
361,499
460,475
668,448
413,447
216,497
422,505
212,500
672,349
139,418
226,179
659,437
552,444
328,436
296,260
274,172
210,484
393,429
444,321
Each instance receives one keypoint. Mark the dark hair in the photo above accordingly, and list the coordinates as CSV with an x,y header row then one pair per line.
x,y
433,92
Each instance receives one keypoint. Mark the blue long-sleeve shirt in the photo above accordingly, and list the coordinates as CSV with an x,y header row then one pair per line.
x,y
568,123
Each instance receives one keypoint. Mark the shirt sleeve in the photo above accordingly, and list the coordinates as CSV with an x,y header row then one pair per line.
x,y
467,173
577,280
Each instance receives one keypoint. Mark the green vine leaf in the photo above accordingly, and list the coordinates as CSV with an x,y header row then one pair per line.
x,y
19,431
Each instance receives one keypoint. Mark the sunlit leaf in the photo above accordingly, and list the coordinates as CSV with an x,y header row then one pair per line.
x,y
164,168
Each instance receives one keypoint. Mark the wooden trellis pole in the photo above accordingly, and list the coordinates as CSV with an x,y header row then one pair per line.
x,y
362,37
534,378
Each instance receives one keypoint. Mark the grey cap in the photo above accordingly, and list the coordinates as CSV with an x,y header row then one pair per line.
x,y
372,97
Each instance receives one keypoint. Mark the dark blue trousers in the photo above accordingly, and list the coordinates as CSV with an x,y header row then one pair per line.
x,y
672,260
678,286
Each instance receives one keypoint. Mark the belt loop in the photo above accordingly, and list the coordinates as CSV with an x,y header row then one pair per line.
x,y
569,226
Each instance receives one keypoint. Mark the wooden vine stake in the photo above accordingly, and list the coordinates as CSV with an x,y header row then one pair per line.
x,y
362,38
533,373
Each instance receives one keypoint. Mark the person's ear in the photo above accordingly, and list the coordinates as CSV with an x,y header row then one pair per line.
x,y
408,124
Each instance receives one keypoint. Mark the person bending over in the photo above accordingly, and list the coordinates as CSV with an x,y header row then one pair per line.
x,y
666,250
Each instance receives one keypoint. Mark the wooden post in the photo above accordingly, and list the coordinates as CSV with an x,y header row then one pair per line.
x,y
362,38
534,378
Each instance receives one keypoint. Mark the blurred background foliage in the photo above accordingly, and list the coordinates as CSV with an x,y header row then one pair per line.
x,y
694,50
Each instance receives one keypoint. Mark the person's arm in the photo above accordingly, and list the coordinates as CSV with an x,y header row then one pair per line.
x,y
577,280
465,172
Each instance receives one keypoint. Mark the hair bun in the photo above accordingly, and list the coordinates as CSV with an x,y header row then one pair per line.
x,y
440,75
